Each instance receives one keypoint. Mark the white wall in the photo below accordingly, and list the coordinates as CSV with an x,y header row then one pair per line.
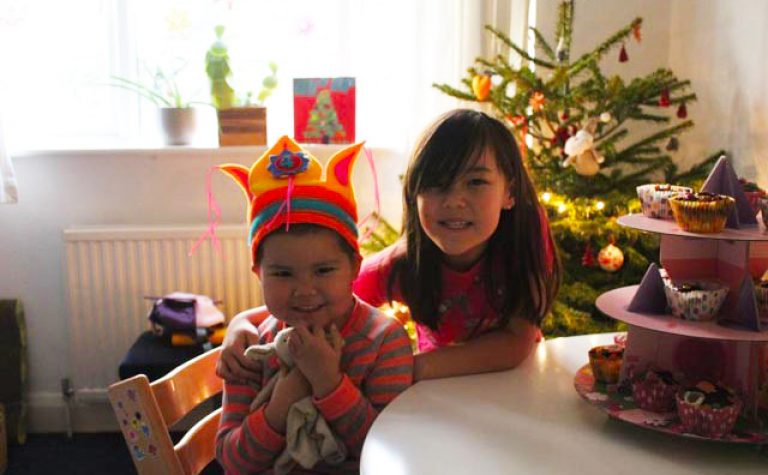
x,y
721,46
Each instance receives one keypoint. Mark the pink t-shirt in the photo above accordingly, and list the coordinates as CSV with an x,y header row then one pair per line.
x,y
465,310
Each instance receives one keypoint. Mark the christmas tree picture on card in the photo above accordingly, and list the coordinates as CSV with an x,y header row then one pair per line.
x,y
324,110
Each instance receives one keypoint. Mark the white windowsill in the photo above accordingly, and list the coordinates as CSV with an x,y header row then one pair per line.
x,y
319,150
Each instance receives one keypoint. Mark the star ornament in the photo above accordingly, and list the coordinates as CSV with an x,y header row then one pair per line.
x,y
287,163
537,101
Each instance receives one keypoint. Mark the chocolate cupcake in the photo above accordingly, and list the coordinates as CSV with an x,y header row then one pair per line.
x,y
655,391
654,199
708,409
697,300
605,362
701,212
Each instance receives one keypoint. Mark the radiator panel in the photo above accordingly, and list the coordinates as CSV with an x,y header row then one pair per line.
x,y
109,270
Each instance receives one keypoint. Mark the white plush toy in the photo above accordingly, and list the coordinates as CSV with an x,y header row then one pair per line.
x,y
309,439
278,346
582,153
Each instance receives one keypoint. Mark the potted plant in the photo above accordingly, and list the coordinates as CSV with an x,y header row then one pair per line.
x,y
178,118
242,120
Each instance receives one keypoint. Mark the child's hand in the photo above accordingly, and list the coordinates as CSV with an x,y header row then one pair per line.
x,y
318,356
291,387
233,366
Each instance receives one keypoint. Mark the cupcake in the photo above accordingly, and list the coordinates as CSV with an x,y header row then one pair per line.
x,y
761,296
605,362
701,212
654,199
655,391
753,193
697,300
763,203
708,409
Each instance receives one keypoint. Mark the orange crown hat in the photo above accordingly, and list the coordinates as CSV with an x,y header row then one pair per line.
x,y
287,185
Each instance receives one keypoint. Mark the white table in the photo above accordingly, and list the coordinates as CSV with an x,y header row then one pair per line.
x,y
530,420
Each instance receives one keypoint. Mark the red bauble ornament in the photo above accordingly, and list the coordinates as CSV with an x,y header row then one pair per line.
x,y
623,56
664,99
561,136
610,258
682,111
588,259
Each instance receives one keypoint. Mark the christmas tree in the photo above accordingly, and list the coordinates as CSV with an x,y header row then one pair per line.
x,y
323,122
577,129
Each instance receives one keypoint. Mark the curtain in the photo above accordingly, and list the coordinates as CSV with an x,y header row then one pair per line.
x,y
8,187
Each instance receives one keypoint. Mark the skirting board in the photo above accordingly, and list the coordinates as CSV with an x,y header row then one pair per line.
x,y
90,411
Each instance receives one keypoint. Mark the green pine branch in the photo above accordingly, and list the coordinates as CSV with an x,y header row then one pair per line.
x,y
541,44
653,138
604,47
524,54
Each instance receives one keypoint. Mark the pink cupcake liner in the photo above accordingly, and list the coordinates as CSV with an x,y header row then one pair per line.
x,y
654,396
764,210
761,295
707,421
655,203
698,305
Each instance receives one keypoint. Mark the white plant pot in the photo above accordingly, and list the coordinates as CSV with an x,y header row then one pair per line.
x,y
179,125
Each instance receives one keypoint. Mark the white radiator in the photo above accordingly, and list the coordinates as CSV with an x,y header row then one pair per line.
x,y
108,271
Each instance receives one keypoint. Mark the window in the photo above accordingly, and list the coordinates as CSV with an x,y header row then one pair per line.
x,y
60,56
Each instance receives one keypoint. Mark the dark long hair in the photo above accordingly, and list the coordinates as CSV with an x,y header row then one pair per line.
x,y
518,279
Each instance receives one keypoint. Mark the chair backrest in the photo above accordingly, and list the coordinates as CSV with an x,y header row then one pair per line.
x,y
145,411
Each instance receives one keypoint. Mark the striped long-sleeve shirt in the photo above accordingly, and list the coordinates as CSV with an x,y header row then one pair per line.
x,y
377,365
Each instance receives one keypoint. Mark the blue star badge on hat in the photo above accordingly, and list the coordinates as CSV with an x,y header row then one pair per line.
x,y
287,163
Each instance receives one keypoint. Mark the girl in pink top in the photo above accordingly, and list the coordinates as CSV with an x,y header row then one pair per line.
x,y
476,265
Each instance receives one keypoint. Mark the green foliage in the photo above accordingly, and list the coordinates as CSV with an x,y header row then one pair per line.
x,y
546,100
161,88
377,234
217,67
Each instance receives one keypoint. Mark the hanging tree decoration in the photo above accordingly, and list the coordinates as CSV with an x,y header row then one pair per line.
x,y
636,33
673,144
588,258
682,111
481,86
537,101
561,52
664,98
623,56
581,151
610,257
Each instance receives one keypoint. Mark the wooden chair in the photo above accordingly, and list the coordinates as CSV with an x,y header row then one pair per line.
x,y
146,410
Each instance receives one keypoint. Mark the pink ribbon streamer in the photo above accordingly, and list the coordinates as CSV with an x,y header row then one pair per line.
x,y
376,197
214,215
286,205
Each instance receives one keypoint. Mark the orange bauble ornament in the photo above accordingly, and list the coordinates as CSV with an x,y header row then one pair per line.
x,y
610,258
481,86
